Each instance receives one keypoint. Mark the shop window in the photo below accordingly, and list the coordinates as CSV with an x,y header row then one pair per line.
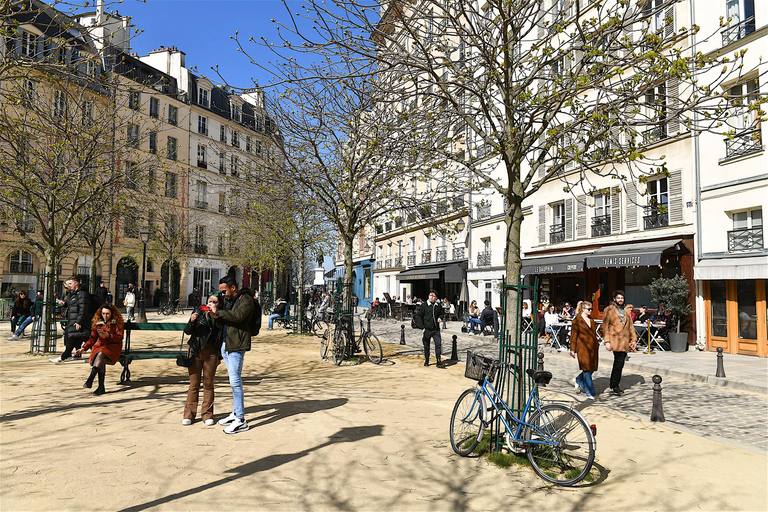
x,y
747,303
718,315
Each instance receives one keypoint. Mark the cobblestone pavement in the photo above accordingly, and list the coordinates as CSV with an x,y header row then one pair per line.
x,y
721,413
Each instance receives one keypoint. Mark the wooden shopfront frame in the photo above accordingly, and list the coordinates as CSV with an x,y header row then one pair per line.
x,y
732,343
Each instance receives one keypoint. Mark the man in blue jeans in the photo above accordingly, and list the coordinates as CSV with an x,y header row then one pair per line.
x,y
236,341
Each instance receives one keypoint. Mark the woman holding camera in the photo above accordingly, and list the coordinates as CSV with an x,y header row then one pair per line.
x,y
204,349
106,342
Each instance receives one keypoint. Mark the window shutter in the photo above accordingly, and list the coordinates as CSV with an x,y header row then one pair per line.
x,y
569,219
616,210
542,223
675,197
669,29
40,48
581,216
673,92
631,206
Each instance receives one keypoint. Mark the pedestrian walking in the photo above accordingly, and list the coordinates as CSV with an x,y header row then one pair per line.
x,y
105,342
236,341
130,303
428,317
102,293
205,350
78,324
584,344
619,334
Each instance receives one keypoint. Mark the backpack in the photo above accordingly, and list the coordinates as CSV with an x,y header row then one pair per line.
x,y
254,324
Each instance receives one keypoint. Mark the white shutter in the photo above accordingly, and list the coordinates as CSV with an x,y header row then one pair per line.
x,y
631,206
673,92
616,210
569,219
669,29
542,223
675,197
581,216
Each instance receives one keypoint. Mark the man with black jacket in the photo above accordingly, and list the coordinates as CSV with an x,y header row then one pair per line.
x,y
428,317
78,327
234,319
102,293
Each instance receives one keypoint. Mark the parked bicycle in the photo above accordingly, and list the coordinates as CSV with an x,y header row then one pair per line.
x,y
170,308
558,441
317,322
340,346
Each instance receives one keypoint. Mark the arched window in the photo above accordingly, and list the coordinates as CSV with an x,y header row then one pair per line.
x,y
21,263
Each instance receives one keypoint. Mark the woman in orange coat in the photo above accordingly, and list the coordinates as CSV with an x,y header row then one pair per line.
x,y
584,343
106,342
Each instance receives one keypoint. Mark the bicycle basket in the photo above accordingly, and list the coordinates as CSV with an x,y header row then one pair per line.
x,y
479,366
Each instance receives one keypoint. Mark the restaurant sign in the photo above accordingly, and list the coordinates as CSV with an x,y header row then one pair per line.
x,y
553,268
618,261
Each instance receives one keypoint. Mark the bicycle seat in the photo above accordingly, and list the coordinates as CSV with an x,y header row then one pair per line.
x,y
539,377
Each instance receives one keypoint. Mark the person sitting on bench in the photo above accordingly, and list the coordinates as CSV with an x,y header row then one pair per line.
x,y
278,312
106,341
488,318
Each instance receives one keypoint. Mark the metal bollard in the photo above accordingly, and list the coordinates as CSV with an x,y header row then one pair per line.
x,y
454,350
657,411
402,334
720,369
540,364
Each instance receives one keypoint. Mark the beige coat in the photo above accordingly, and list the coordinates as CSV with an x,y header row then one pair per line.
x,y
584,343
619,333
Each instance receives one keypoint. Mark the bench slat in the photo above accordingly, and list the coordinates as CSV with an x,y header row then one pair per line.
x,y
148,326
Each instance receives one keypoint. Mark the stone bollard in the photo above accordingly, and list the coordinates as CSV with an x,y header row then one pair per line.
x,y
720,369
657,411
454,350
540,364
402,334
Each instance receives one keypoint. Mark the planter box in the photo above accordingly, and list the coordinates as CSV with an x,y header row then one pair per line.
x,y
678,341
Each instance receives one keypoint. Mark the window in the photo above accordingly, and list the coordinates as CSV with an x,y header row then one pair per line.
x,y
654,13
153,142
28,43
257,147
154,107
133,135
21,263
200,246
235,112
202,97
489,292
29,94
248,144
740,15
235,139
718,310
59,104
173,115
202,156
223,134
656,110
744,119
222,163
172,148
747,233
656,213
235,165
259,121
222,202
202,125
601,220
557,229
151,181
170,185
201,201
131,226
134,102
131,175
268,124
87,108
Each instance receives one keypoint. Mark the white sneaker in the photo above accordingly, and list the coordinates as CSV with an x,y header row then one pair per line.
x,y
209,422
228,420
186,422
590,397
14,338
237,426
576,386
55,360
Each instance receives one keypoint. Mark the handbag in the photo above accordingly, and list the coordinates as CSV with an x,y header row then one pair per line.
x,y
184,360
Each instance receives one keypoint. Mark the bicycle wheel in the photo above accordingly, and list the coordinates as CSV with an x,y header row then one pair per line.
x,y
339,345
319,327
372,347
561,447
468,422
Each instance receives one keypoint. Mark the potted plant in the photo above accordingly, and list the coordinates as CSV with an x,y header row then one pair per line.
x,y
674,293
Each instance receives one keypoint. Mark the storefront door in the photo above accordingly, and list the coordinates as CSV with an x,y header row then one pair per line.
x,y
736,316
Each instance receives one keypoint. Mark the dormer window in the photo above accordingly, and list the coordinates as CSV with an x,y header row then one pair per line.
x,y
202,97
236,112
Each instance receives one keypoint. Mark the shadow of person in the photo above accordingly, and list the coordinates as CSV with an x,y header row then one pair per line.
x,y
282,410
345,435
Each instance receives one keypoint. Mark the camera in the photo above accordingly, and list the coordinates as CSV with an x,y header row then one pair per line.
x,y
204,308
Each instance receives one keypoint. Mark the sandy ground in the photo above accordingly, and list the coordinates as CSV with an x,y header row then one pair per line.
x,y
356,437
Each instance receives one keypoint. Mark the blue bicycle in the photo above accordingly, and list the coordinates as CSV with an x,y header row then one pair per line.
x,y
558,441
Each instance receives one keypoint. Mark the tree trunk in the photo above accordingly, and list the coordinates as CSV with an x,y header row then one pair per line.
x,y
514,220
300,293
93,271
48,298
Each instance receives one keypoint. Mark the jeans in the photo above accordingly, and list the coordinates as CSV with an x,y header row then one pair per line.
x,y
234,362
429,335
272,319
584,380
24,325
129,312
16,320
618,367
473,322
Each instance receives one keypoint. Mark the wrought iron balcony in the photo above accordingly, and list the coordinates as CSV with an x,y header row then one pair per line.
x,y
202,164
483,212
458,253
654,218
484,259
655,134
388,263
743,143
426,256
745,239
21,268
398,261
601,226
201,205
556,234
442,255
736,32
411,258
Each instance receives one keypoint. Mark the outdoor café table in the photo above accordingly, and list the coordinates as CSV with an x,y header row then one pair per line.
x,y
527,324
599,331
649,337
556,328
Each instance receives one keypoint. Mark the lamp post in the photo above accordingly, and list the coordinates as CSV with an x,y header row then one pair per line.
x,y
144,234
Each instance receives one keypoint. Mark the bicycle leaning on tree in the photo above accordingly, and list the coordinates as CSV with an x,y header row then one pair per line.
x,y
558,441
338,342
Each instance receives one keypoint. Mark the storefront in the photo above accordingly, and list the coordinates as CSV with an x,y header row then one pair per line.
x,y
445,278
735,305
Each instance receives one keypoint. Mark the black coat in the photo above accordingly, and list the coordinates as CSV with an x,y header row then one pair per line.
x,y
428,316
76,305
203,332
102,293
21,307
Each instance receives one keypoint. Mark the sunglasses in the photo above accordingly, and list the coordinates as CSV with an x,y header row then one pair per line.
x,y
588,309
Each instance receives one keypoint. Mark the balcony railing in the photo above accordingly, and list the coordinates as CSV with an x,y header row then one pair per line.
x,y
484,259
426,256
201,205
601,226
743,143
458,253
411,258
21,268
442,255
745,239
202,164
655,134
483,212
556,234
654,219
201,249
398,261
736,32
388,263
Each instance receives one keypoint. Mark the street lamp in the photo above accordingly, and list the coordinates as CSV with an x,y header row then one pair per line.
x,y
460,225
144,234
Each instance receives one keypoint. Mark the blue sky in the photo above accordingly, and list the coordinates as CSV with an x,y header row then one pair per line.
x,y
202,30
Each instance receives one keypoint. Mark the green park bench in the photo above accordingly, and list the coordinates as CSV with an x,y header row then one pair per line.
x,y
129,355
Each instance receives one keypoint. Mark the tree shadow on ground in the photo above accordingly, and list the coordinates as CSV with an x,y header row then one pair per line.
x,y
345,435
